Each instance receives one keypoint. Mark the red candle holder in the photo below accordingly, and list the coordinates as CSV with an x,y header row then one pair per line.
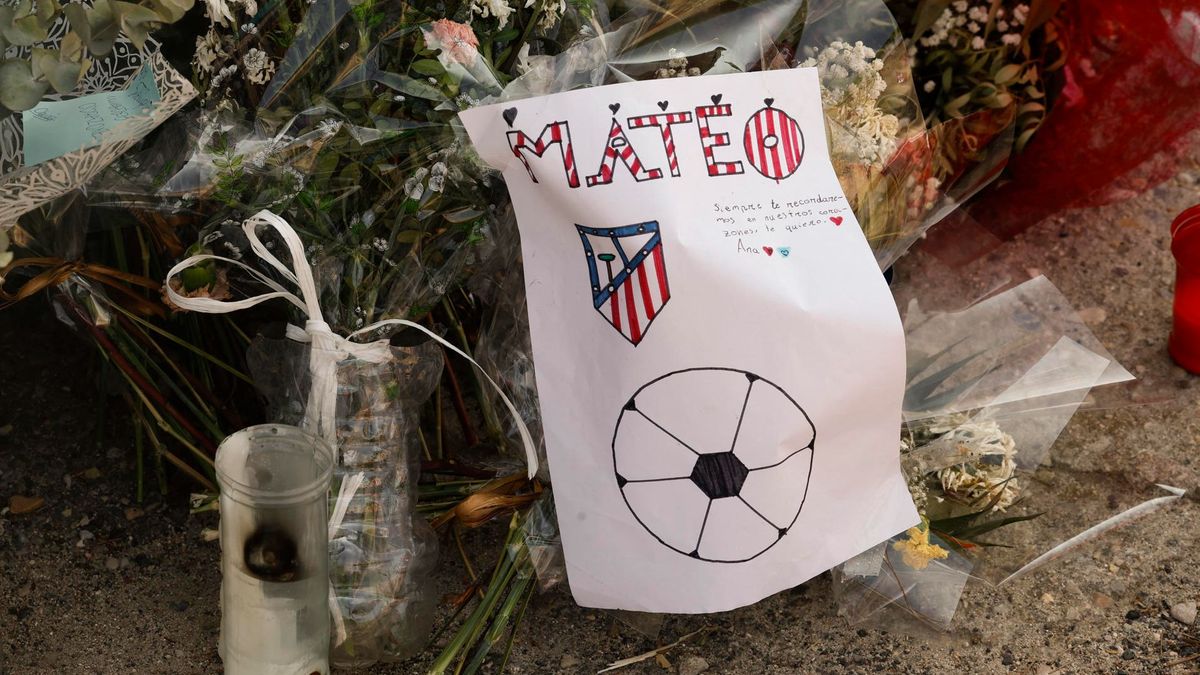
x,y
1184,344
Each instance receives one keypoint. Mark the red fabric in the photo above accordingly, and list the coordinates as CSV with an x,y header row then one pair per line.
x,y
1132,90
1185,334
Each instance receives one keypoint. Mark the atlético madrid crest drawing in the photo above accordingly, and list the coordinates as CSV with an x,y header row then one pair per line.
x,y
628,275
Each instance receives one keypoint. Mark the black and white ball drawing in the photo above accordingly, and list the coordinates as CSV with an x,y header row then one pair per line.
x,y
714,462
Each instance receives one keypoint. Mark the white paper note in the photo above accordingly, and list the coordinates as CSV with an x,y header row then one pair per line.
x,y
719,361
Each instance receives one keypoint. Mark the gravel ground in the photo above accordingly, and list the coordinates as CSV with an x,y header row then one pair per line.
x,y
93,583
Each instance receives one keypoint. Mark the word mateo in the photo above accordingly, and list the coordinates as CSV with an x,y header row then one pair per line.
x,y
771,138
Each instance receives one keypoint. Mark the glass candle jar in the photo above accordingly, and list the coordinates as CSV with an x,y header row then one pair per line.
x,y
274,482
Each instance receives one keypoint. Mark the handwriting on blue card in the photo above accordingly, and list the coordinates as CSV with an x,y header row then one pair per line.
x,y
54,128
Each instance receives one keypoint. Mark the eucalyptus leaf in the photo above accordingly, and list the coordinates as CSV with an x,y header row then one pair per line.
x,y
54,67
104,27
135,21
19,90
25,31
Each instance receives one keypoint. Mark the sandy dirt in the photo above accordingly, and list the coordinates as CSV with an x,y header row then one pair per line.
x,y
89,586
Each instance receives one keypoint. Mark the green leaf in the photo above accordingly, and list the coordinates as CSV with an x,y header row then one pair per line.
x,y
19,90
103,28
136,21
25,31
927,13
428,67
170,11
57,69
1008,73
968,534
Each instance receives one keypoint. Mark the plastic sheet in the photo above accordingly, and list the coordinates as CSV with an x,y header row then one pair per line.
x,y
990,389
381,550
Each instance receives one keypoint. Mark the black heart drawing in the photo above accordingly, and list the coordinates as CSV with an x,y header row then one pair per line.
x,y
716,99
614,107
768,101
662,105
509,115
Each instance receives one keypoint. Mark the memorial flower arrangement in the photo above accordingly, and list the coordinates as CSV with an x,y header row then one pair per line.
x,y
341,119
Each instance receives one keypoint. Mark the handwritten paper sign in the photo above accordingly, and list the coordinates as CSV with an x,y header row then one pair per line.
x,y
55,128
719,361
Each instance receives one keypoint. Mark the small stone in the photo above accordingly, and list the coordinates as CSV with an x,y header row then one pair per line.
x,y
1102,601
180,606
133,513
1006,658
1184,612
91,473
1133,615
1047,598
568,661
112,564
692,665
1128,655
114,453
1044,669
1093,315
210,534
20,504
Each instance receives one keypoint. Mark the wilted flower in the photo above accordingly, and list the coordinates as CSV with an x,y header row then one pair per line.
x,y
456,41
259,67
552,11
496,8
221,12
209,49
917,551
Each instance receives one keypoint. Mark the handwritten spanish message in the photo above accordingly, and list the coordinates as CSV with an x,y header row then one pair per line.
x,y
766,227
55,128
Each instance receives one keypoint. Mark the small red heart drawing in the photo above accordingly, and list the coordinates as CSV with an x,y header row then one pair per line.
x,y
768,250
837,220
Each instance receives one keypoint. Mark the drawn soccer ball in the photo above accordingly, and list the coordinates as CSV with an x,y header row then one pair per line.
x,y
714,462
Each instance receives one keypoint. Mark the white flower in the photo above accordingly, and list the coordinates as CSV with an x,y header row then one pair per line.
x,y
977,43
209,50
492,8
259,67
1011,38
960,5
414,187
218,12
1002,25
221,12
930,85
380,244
552,11
851,85
437,177
1020,13
973,27
979,14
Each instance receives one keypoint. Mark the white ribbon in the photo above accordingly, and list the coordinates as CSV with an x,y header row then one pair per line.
x,y
328,349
